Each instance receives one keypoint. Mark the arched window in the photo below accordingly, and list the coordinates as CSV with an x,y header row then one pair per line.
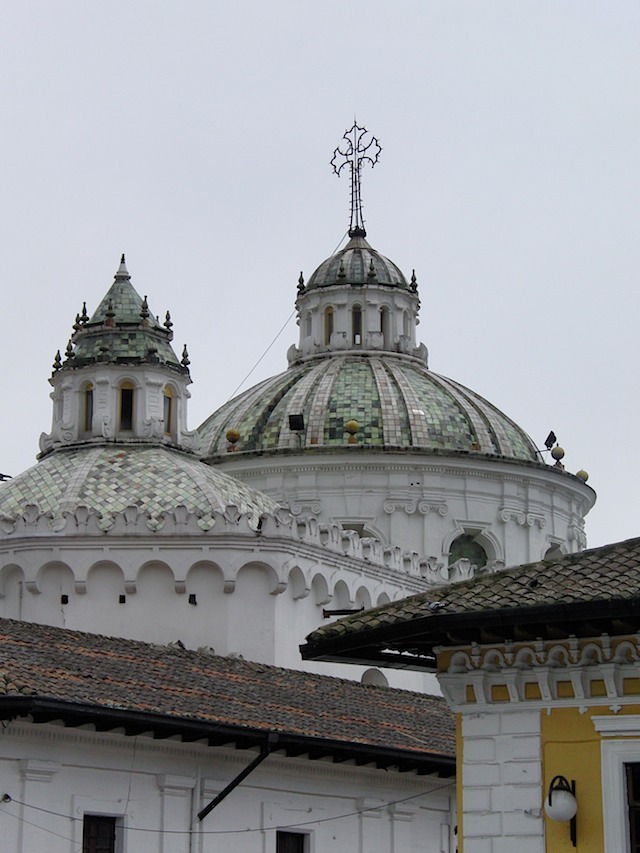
x,y
384,326
88,408
328,325
467,546
356,325
168,414
126,406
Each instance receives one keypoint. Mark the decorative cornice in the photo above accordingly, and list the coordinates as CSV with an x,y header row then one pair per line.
x,y
521,517
298,766
424,507
324,544
541,674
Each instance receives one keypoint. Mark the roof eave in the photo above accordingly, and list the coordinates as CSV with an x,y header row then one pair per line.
x,y
411,644
45,709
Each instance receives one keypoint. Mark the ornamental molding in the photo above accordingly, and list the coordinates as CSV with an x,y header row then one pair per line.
x,y
306,507
541,674
229,528
227,756
628,724
521,517
424,507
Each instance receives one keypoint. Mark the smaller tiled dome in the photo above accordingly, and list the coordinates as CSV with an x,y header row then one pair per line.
x,y
122,330
108,480
357,264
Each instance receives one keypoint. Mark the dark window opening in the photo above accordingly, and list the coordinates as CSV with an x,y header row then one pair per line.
x,y
88,410
289,842
633,800
328,325
168,413
126,408
98,834
356,322
466,546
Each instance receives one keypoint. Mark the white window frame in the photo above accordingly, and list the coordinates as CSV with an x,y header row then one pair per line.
x,y
102,808
620,745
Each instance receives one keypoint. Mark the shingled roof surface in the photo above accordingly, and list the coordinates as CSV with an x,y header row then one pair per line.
x,y
42,666
607,574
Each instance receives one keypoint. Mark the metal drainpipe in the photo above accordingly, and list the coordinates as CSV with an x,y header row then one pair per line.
x,y
196,794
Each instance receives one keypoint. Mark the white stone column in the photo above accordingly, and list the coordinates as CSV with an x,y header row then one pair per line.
x,y
175,812
502,784
401,816
36,776
374,831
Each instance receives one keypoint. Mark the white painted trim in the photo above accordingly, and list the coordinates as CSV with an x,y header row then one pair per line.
x,y
628,723
615,754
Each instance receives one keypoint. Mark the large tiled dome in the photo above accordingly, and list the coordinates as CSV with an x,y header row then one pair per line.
x,y
396,402
109,479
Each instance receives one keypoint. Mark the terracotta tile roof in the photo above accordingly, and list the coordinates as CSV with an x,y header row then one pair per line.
x,y
52,672
602,582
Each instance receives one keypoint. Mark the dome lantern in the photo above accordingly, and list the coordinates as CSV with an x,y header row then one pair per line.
x,y
120,379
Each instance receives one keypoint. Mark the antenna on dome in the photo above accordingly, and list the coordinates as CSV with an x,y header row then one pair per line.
x,y
357,148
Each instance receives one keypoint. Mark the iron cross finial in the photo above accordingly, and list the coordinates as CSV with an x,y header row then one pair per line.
x,y
357,148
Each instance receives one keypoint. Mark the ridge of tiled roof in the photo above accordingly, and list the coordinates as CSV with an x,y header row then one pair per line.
x,y
47,671
608,573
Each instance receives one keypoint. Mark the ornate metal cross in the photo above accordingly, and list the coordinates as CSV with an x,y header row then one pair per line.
x,y
357,148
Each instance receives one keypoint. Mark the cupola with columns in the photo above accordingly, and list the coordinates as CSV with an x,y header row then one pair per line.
x,y
357,300
120,379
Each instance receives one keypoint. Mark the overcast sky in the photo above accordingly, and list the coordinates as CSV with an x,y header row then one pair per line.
x,y
196,137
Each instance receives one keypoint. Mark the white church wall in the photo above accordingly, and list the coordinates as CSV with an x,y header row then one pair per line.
x,y
53,776
422,502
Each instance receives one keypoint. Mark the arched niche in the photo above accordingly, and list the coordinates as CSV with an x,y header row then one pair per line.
x,y
155,578
363,598
374,676
55,579
105,581
251,625
341,596
297,584
320,590
13,591
383,598
205,580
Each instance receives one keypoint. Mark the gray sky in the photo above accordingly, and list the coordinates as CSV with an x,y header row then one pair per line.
x,y
196,136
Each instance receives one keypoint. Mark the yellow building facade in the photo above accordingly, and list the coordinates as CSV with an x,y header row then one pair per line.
x,y
541,666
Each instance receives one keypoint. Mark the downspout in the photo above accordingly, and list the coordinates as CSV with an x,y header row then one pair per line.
x,y
272,740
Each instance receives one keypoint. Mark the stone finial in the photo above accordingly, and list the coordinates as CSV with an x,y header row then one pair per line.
x,y
84,317
144,311
167,322
372,270
110,314
57,361
341,272
122,271
301,283
185,357
69,353
414,281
